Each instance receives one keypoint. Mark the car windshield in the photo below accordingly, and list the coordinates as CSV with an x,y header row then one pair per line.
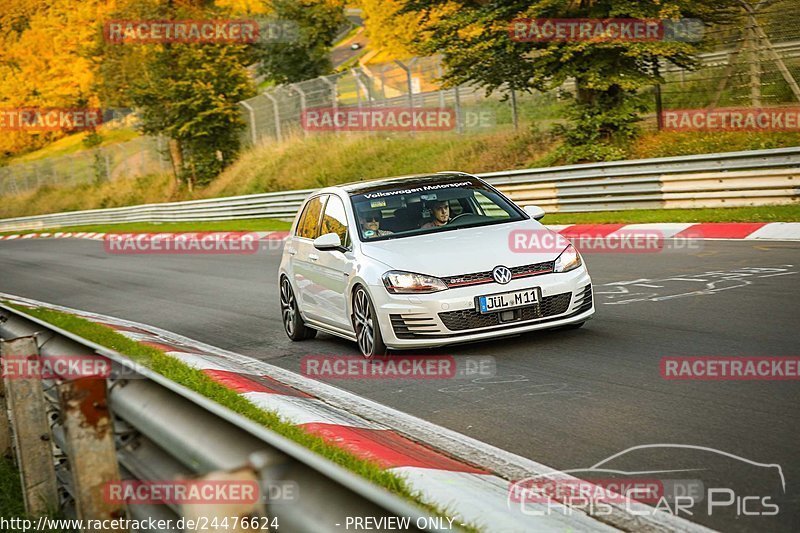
x,y
426,207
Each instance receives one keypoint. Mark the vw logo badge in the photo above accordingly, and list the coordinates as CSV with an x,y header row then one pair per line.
x,y
501,274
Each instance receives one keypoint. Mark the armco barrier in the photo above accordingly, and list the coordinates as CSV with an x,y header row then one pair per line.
x,y
758,177
139,426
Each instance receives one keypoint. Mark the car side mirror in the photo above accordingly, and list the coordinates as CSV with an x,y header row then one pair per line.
x,y
328,242
534,211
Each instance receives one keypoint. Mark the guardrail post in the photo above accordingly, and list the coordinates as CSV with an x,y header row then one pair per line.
x,y
5,427
28,415
89,437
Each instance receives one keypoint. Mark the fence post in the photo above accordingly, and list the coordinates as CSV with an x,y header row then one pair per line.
x,y
659,108
89,437
301,92
108,164
514,117
457,95
32,438
277,114
409,84
334,96
252,113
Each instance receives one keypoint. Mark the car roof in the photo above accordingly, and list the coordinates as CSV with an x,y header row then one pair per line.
x,y
361,187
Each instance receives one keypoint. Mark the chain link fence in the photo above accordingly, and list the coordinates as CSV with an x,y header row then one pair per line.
x,y
755,62
138,157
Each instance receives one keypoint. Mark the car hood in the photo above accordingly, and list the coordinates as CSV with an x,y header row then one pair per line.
x,y
464,251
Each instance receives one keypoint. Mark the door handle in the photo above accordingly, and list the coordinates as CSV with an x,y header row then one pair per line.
x,y
291,251
313,257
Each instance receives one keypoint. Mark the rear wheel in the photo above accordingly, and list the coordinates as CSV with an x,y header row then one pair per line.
x,y
292,321
365,323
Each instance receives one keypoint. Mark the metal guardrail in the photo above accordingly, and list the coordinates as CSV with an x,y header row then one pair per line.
x,y
754,177
163,430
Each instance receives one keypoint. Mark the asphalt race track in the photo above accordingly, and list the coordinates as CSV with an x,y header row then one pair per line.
x,y
568,399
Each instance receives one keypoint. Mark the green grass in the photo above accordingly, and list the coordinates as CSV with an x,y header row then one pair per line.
x,y
11,502
197,381
257,224
775,213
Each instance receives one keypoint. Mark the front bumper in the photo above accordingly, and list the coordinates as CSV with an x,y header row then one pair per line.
x,y
447,317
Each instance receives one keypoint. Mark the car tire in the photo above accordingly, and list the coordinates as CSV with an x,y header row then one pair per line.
x,y
293,323
365,324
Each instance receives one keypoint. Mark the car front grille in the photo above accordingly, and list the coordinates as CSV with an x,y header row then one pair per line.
x,y
472,319
478,278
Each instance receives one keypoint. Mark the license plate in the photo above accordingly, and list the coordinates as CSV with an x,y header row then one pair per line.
x,y
493,303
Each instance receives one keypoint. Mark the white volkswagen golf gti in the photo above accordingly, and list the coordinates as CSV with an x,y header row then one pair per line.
x,y
426,261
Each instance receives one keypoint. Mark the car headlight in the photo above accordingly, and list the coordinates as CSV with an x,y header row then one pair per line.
x,y
399,282
569,259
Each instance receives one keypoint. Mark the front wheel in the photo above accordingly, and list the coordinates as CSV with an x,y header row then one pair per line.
x,y
292,321
365,323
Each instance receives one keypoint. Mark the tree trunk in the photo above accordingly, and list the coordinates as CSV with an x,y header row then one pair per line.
x,y
176,155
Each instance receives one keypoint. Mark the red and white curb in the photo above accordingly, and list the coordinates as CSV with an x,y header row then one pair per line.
x,y
781,231
54,235
469,478
773,231
269,235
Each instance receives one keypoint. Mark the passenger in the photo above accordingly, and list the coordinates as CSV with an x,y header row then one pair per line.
x,y
441,214
371,224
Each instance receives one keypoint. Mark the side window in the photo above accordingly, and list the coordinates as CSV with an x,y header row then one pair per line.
x,y
334,220
490,208
307,226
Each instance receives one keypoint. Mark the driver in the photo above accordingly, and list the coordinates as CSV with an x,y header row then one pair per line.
x,y
441,214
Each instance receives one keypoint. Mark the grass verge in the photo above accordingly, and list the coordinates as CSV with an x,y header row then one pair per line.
x,y
258,224
774,213
199,382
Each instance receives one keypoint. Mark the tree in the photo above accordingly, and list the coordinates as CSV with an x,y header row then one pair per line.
x,y
388,30
188,92
306,53
475,42
44,60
